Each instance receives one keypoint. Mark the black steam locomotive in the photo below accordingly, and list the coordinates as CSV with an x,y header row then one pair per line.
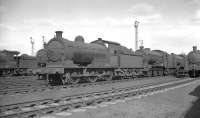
x,y
63,61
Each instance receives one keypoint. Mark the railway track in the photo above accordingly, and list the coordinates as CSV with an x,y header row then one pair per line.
x,y
9,86
57,106
24,89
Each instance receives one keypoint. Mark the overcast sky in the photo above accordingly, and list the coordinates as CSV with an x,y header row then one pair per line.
x,y
169,25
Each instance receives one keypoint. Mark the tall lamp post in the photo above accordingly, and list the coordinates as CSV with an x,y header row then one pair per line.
x,y
136,34
32,46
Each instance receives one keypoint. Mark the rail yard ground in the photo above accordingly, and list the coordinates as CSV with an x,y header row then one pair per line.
x,y
170,102
180,102
61,92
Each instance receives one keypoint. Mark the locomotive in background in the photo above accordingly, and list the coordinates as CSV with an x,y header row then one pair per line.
x,y
158,62
11,64
194,62
67,61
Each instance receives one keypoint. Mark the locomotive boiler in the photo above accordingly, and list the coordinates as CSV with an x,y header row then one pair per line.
x,y
75,53
194,62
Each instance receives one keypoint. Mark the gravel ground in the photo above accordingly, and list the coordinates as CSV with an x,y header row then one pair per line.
x,y
182,102
20,98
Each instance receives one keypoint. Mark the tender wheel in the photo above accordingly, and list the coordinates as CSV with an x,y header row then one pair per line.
x,y
108,78
50,81
192,73
42,77
74,80
159,73
92,79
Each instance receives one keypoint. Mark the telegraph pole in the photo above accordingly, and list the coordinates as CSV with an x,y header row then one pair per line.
x,y
136,34
32,46
43,40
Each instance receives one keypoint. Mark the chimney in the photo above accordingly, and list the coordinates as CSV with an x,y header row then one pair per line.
x,y
194,48
59,34
141,47
99,39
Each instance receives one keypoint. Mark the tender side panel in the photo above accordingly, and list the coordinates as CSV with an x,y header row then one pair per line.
x,y
28,63
133,61
114,61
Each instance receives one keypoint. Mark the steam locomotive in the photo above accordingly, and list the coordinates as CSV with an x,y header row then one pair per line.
x,y
63,61
194,62
11,64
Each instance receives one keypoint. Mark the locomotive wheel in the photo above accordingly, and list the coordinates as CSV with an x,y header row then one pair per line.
x,y
192,73
158,73
154,73
165,73
161,73
74,80
92,79
150,73
39,77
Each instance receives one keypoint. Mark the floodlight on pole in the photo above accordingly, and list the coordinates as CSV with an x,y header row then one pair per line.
x,y
32,46
141,42
136,34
